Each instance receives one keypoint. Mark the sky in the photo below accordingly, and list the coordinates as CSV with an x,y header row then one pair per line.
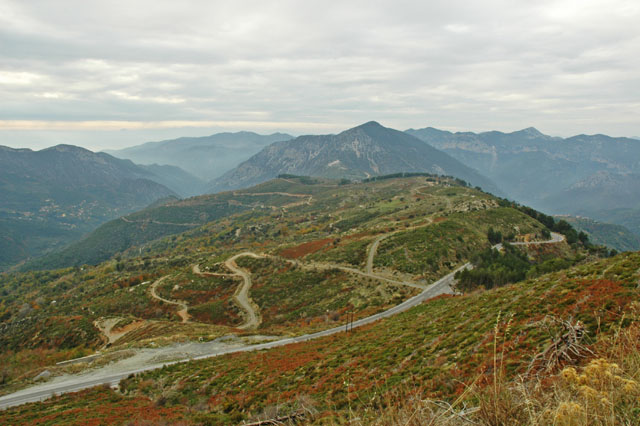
x,y
110,74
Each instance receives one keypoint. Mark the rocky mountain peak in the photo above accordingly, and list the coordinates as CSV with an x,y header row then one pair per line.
x,y
366,150
530,133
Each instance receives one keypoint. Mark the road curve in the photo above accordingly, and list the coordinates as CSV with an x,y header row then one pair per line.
x,y
183,312
241,295
44,391
372,252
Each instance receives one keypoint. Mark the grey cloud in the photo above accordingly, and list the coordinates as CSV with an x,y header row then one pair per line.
x,y
566,67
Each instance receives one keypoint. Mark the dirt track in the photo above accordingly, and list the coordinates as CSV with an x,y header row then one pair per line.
x,y
183,312
242,293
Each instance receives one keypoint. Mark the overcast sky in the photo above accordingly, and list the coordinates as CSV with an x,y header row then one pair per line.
x,y
105,74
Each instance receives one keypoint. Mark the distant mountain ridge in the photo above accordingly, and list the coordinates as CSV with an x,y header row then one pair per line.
x,y
53,196
363,151
176,179
589,175
206,157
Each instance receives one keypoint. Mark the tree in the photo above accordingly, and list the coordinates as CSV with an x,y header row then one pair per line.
x,y
546,234
494,236
584,238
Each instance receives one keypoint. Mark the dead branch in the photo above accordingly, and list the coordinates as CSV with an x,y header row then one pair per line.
x,y
565,348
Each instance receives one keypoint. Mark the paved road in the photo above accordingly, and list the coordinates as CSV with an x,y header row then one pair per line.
x,y
555,238
44,391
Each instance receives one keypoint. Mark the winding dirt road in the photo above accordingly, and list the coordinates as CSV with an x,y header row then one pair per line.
x,y
307,201
183,312
372,252
106,328
241,296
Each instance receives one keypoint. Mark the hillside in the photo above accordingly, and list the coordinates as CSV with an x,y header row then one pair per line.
x,y
53,196
589,175
361,152
205,157
433,352
142,227
615,236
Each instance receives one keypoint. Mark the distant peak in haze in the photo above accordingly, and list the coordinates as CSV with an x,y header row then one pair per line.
x,y
368,125
66,148
531,132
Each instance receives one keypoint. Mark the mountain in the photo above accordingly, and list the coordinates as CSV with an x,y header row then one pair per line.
x,y
614,236
361,152
205,157
55,195
551,173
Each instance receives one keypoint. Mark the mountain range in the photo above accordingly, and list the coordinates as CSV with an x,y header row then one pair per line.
x,y
53,196
361,152
588,175
205,157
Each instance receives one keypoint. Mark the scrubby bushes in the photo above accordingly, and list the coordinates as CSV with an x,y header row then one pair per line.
x,y
494,269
